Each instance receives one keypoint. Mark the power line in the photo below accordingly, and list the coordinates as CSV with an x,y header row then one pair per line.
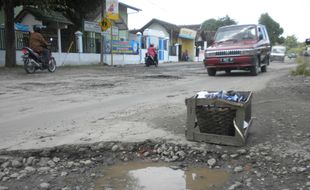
x,y
156,5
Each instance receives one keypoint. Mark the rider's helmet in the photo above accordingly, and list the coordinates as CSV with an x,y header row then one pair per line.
x,y
38,28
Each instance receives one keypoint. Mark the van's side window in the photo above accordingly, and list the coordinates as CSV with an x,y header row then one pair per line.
x,y
261,32
265,32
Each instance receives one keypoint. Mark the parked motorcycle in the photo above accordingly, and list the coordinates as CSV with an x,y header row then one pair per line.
x,y
33,61
149,60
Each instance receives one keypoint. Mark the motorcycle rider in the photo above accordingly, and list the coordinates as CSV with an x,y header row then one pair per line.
x,y
151,51
38,43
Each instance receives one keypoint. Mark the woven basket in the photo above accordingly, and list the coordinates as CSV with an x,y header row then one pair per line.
x,y
216,120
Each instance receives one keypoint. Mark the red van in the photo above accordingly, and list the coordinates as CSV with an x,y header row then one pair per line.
x,y
239,47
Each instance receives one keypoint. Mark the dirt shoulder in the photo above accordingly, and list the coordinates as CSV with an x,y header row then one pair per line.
x,y
277,154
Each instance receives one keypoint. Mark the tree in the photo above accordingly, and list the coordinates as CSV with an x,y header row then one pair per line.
x,y
291,42
225,21
274,29
76,11
209,27
10,44
73,9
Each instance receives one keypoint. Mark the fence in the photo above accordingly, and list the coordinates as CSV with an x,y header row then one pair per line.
x,y
2,44
22,39
91,43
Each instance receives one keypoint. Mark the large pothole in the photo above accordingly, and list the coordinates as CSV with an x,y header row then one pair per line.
x,y
154,176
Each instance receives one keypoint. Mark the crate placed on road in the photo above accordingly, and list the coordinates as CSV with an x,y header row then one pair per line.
x,y
219,121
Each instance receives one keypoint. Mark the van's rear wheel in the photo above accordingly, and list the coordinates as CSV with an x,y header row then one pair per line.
x,y
211,72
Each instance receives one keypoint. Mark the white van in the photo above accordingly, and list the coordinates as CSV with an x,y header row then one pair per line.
x,y
277,53
307,51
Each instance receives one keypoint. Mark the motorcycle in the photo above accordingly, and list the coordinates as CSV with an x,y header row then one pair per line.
x,y
149,60
33,61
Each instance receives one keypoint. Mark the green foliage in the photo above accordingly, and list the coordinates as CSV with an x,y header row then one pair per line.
x,y
297,50
303,67
76,11
209,27
274,29
37,3
291,42
213,24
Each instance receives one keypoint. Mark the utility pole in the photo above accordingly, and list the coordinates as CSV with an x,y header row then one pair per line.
x,y
111,45
102,36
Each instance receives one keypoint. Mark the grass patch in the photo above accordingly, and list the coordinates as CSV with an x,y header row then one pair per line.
x,y
303,67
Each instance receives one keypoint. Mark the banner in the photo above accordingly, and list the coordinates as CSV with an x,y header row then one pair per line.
x,y
21,27
91,27
187,33
112,9
122,47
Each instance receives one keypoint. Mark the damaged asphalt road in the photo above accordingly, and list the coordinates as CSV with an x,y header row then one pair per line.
x,y
92,117
99,103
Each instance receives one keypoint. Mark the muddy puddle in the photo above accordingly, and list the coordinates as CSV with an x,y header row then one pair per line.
x,y
159,176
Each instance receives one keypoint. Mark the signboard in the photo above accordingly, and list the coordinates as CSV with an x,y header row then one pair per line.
x,y
114,31
122,47
91,27
112,9
187,33
105,23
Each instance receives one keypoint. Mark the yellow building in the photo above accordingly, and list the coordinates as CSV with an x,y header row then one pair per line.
x,y
186,40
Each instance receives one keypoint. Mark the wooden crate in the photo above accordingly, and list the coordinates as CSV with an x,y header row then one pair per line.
x,y
234,133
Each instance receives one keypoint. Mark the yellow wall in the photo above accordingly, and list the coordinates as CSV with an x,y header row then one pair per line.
x,y
188,45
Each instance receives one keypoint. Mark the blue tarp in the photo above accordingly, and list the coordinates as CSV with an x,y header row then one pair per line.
x,y
21,27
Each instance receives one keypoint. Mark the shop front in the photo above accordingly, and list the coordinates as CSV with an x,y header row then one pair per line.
x,y
186,41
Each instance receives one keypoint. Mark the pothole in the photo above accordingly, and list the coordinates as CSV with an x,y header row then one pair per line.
x,y
98,85
162,77
154,176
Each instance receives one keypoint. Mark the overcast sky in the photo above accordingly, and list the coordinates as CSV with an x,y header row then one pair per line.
x,y
293,16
